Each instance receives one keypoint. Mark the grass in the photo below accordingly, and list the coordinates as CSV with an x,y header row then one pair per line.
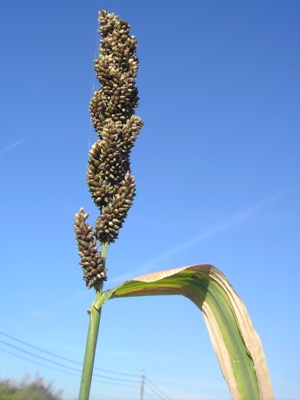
x,y
27,390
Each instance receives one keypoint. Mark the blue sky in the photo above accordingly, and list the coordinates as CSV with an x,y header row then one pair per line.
x,y
217,171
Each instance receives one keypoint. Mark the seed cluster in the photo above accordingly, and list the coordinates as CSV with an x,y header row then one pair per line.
x,y
112,110
91,261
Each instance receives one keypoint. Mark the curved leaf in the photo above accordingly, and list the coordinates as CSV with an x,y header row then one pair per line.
x,y
235,341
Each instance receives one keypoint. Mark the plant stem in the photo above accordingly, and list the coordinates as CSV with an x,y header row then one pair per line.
x,y
91,342
104,250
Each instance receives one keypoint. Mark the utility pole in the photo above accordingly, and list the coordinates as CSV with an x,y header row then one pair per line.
x,y
142,384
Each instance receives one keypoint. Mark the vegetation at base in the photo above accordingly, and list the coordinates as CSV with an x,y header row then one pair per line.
x,y
27,390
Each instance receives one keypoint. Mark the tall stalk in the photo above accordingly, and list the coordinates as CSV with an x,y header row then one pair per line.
x,y
90,349
91,342
111,184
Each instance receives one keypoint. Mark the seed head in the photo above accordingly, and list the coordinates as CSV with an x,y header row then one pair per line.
x,y
92,263
112,109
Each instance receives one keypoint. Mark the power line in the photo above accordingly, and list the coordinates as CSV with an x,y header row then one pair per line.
x,y
125,382
156,389
67,366
153,390
64,358
38,363
66,372
148,395
40,357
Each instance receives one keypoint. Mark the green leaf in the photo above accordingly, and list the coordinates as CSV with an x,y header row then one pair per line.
x,y
235,341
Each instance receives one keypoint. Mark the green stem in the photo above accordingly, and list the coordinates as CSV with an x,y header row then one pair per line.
x,y
104,250
91,342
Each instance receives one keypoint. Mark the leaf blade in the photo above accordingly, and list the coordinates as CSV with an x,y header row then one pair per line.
x,y
233,336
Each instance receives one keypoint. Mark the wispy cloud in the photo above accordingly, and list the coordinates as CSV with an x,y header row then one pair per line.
x,y
42,314
113,352
228,223
11,146
179,395
176,388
